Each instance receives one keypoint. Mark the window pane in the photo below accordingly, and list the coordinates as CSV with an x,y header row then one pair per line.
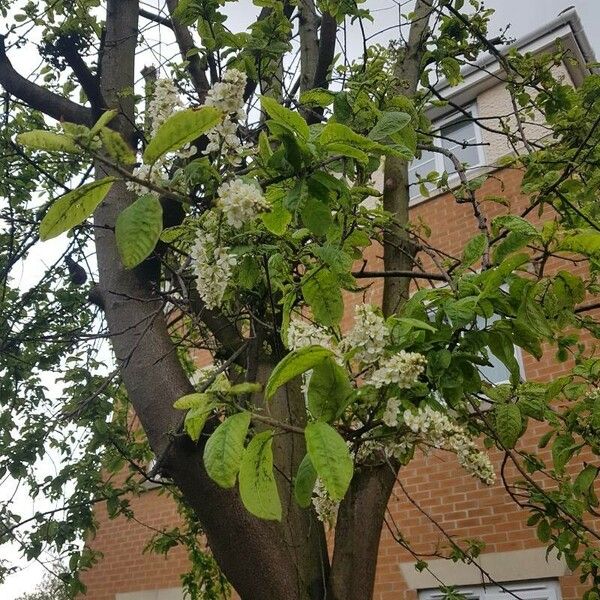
x,y
458,133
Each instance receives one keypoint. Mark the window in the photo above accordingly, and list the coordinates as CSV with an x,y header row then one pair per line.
x,y
533,590
459,135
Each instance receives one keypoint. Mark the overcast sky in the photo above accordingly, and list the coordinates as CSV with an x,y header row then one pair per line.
x,y
523,16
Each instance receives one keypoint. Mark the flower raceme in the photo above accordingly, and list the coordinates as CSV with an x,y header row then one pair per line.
x,y
436,429
240,202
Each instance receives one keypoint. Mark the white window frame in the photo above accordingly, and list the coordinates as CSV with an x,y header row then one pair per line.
x,y
542,589
453,179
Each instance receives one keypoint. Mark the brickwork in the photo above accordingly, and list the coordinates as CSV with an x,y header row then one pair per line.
x,y
446,496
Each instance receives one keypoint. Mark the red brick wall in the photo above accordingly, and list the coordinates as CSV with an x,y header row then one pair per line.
x,y
453,499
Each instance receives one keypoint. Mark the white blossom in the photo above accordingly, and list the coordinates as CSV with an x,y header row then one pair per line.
x,y
147,173
402,369
228,95
224,138
201,376
438,430
392,410
165,101
301,334
213,267
369,335
240,202
325,507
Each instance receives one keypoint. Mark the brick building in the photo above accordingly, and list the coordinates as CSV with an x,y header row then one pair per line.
x,y
434,493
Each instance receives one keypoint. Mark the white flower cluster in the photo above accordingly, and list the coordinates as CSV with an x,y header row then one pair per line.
x,y
147,173
301,334
368,336
439,431
223,138
165,101
240,202
228,96
402,369
392,410
325,507
213,266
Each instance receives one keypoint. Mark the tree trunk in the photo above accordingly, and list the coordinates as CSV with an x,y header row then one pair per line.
x,y
261,559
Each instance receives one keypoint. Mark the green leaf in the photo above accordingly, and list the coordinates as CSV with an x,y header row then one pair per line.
x,y
321,291
531,314
532,399
348,151
294,364
544,531
587,242
474,250
196,417
118,149
508,424
73,208
304,484
514,241
258,488
290,119
105,118
585,479
194,400
461,312
316,216
411,323
317,97
388,124
247,387
179,129
138,230
224,449
450,67
277,219
330,457
513,223
502,347
335,258
329,390
336,133
563,448
38,139
595,415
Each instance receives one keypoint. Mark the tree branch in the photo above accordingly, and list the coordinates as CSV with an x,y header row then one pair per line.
x,y
88,81
396,253
37,97
327,42
308,23
146,14
403,274
186,45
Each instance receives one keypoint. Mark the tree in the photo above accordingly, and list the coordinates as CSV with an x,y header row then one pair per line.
x,y
234,224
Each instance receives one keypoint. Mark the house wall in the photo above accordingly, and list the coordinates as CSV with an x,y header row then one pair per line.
x,y
496,102
433,493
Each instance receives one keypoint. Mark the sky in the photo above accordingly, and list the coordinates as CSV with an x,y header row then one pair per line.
x,y
523,17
